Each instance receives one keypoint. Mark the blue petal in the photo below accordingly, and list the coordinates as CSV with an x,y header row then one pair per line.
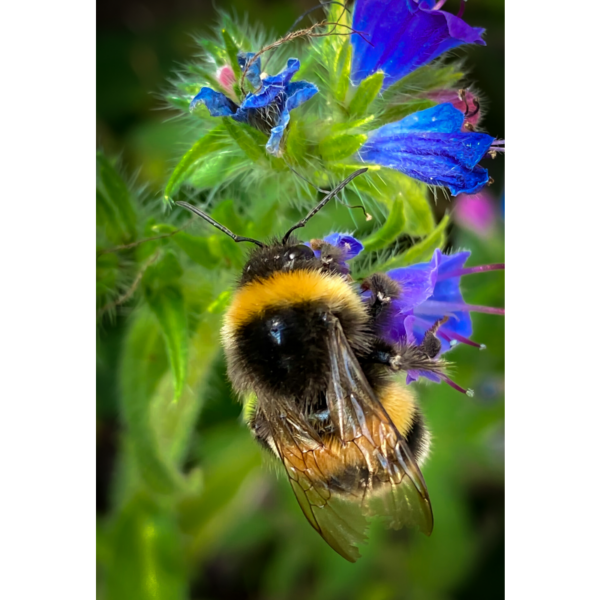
x,y
403,35
351,246
298,92
429,146
295,94
417,283
272,87
253,74
219,105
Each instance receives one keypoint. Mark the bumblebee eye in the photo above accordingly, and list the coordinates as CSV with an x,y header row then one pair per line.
x,y
298,252
276,331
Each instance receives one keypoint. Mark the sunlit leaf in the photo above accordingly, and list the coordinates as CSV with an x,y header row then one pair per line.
x,y
365,93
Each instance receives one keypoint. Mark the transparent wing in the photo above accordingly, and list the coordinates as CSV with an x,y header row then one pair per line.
x,y
364,470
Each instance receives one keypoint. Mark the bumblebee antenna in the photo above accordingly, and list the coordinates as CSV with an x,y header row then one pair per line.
x,y
323,202
233,236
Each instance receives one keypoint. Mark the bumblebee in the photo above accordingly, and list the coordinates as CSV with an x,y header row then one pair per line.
x,y
300,340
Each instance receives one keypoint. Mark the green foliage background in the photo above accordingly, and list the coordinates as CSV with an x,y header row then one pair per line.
x,y
185,507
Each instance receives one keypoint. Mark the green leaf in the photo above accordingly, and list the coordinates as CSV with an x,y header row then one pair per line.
x,y
341,145
213,141
389,231
250,140
296,142
341,71
421,251
232,52
417,208
168,306
115,193
143,365
213,50
197,248
365,93
146,559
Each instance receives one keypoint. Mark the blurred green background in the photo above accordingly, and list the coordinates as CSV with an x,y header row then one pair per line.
x,y
237,532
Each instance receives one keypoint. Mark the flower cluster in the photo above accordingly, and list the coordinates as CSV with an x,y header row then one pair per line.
x,y
430,300
352,116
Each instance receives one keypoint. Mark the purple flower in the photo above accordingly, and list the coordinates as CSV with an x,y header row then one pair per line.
x,y
268,107
404,35
430,146
430,300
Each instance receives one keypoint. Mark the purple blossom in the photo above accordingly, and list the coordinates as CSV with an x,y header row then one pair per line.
x,y
430,146
268,107
430,300
404,35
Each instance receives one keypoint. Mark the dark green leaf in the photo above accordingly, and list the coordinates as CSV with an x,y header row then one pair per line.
x,y
115,193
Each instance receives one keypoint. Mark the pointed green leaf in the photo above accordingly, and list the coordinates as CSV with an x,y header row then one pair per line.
x,y
296,142
143,365
341,71
213,141
365,93
341,145
213,50
250,140
421,251
232,52
168,306
389,231
115,192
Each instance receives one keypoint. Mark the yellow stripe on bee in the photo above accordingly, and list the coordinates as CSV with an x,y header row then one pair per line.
x,y
284,289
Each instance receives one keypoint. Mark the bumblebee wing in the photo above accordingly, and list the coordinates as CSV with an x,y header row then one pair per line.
x,y
391,481
365,470
340,522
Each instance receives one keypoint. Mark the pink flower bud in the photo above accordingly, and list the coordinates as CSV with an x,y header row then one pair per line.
x,y
226,77
468,104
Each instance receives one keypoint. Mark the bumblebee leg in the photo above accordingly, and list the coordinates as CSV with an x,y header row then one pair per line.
x,y
260,430
383,290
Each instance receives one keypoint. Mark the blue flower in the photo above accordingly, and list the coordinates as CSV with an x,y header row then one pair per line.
x,y
430,146
268,107
430,300
404,35
349,245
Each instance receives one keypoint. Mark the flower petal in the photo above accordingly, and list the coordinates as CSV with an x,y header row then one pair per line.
x,y
417,283
253,74
272,86
429,146
351,246
295,94
298,92
218,104
404,35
